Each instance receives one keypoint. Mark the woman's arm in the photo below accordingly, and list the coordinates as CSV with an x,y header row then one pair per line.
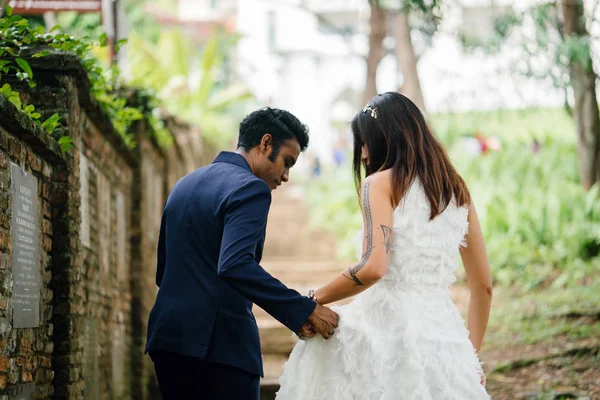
x,y
376,201
476,265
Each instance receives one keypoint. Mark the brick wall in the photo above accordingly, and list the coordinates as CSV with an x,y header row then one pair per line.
x,y
26,353
105,179
98,216
150,198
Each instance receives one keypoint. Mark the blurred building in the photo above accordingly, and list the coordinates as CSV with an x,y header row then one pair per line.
x,y
199,18
308,56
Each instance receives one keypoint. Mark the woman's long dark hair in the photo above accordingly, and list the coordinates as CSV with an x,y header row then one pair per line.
x,y
397,137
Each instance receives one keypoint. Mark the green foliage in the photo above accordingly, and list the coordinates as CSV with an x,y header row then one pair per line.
x,y
190,85
512,126
65,143
18,41
538,220
12,96
80,24
334,207
529,317
140,19
147,101
425,16
541,227
51,123
410,5
544,52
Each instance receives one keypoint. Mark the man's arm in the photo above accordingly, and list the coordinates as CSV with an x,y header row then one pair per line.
x,y
161,254
245,220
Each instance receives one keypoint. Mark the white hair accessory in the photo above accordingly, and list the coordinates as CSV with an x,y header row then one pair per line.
x,y
373,111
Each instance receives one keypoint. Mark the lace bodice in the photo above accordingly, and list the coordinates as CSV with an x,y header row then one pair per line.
x,y
424,253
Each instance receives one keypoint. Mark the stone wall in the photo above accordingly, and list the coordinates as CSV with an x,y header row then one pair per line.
x,y
96,220
27,231
150,198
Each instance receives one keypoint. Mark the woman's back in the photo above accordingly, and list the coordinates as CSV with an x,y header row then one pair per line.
x,y
424,252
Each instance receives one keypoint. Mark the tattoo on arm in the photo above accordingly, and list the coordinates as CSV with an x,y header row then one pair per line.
x,y
387,237
369,233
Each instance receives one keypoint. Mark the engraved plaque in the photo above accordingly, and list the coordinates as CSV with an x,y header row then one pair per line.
x,y
22,392
26,283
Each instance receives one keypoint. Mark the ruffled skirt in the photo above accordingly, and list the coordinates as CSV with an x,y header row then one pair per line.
x,y
390,344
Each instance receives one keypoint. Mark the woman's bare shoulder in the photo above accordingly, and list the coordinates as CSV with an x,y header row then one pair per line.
x,y
381,181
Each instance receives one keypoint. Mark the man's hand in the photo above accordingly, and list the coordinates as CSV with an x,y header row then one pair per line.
x,y
324,321
306,332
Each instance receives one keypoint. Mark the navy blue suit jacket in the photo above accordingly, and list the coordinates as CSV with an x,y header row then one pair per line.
x,y
210,245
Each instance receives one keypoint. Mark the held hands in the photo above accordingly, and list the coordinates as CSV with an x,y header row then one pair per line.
x,y
306,332
323,321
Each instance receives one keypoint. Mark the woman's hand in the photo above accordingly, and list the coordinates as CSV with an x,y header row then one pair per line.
x,y
483,380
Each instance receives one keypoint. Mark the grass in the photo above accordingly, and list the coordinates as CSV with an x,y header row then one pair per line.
x,y
509,125
544,315
544,344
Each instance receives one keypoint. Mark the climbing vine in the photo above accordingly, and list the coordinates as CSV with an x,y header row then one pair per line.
x,y
20,43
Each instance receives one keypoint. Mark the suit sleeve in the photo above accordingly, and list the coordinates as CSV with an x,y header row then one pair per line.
x,y
245,221
161,254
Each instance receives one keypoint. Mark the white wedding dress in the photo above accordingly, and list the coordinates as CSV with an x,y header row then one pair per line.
x,y
403,338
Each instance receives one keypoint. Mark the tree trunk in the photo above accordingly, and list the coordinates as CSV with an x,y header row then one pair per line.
x,y
407,62
585,110
378,25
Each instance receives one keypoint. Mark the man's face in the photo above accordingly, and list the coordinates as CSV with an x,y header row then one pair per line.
x,y
276,170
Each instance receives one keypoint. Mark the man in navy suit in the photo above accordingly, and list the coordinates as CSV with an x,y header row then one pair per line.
x,y
202,335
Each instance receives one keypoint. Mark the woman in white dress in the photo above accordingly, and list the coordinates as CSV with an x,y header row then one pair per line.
x,y
402,336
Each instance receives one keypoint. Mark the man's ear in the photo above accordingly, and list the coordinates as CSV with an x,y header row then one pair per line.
x,y
266,142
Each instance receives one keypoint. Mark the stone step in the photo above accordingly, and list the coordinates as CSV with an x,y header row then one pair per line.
x,y
291,251
302,258
301,265
303,283
277,340
293,231
287,211
293,273
285,260
293,247
268,389
273,366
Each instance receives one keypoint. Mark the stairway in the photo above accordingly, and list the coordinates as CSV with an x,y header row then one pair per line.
x,y
302,258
